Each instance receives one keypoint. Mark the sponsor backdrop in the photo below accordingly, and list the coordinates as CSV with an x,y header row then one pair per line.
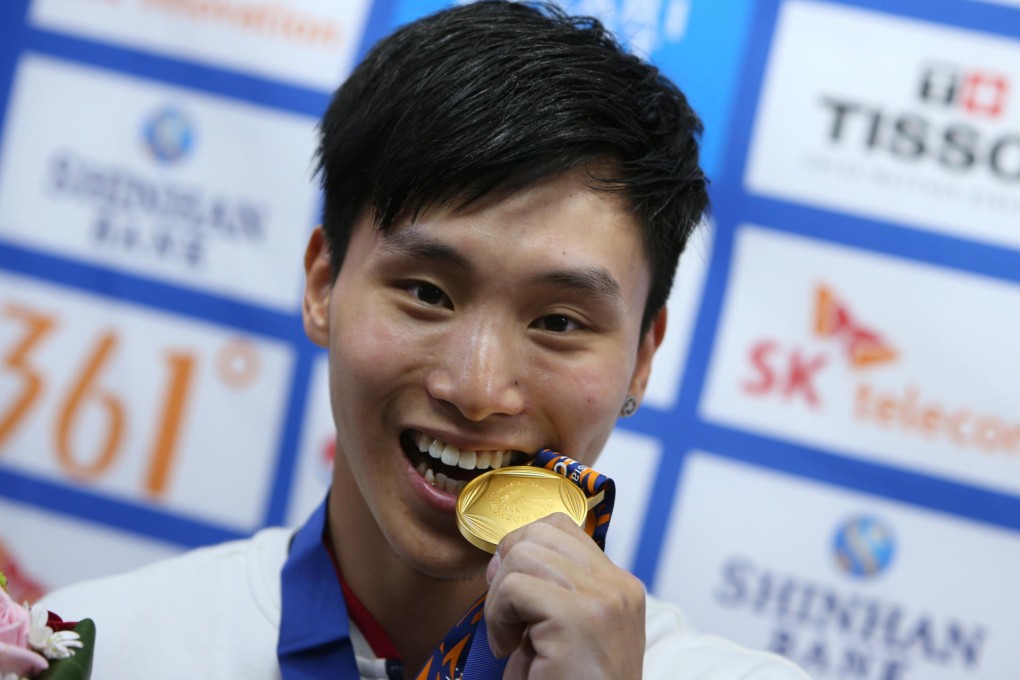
x,y
827,463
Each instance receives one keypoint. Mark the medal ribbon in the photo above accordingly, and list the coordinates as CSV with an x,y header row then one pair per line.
x,y
464,653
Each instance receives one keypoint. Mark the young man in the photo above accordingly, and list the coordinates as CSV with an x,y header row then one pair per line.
x,y
507,194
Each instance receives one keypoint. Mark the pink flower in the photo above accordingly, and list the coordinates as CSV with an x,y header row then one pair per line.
x,y
15,621
15,625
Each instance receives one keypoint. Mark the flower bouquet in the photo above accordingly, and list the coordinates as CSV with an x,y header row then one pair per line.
x,y
37,644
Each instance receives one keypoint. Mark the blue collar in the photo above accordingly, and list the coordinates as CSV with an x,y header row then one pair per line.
x,y
314,640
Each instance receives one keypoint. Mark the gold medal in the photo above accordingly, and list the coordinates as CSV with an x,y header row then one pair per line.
x,y
494,504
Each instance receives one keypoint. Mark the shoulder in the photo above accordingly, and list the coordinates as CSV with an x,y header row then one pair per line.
x,y
675,650
221,604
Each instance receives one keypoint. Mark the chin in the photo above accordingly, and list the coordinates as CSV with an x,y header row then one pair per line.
x,y
445,562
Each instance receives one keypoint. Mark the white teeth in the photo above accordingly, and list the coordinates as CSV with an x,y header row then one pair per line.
x,y
448,484
435,449
450,455
422,467
430,476
454,457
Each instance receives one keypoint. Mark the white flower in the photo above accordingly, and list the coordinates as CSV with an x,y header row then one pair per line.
x,y
11,676
61,645
38,631
52,645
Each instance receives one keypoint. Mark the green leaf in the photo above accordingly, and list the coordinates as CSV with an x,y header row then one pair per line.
x,y
79,666
3,581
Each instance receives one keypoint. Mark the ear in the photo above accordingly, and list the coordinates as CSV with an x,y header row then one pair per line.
x,y
318,286
646,350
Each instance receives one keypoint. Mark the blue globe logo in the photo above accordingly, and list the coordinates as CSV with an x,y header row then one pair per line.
x,y
169,134
864,546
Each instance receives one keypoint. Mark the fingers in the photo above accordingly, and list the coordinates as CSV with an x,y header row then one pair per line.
x,y
555,600
556,533
521,661
532,569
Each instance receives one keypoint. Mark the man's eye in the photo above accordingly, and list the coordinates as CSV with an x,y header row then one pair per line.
x,y
557,323
427,293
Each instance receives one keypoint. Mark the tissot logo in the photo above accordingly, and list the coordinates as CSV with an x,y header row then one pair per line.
x,y
975,92
948,128
921,128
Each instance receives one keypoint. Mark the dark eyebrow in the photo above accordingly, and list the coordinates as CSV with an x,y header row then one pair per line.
x,y
411,243
595,281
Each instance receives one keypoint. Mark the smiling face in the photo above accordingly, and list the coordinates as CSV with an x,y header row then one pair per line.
x,y
470,339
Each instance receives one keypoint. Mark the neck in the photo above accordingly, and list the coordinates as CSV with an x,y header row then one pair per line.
x,y
415,610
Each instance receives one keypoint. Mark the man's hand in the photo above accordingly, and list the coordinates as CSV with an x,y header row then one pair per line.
x,y
561,609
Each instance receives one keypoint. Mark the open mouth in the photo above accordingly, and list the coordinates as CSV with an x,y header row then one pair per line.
x,y
448,468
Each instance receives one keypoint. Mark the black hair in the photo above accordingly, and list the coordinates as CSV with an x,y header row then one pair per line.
x,y
495,95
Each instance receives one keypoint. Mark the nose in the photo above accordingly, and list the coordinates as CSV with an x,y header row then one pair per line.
x,y
478,371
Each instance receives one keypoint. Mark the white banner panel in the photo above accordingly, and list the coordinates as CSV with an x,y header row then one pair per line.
x,y
313,42
682,315
864,354
313,467
40,551
150,179
139,405
891,118
847,585
631,460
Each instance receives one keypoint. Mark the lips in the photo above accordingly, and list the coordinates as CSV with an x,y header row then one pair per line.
x,y
450,468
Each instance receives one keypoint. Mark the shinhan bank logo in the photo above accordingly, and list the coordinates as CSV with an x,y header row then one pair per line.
x,y
168,134
863,546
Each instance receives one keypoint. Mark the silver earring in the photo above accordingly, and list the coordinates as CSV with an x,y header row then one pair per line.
x,y
629,406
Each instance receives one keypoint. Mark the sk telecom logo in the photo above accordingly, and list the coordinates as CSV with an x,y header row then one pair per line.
x,y
790,371
976,92
862,346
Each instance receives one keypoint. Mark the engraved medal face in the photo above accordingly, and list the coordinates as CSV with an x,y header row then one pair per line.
x,y
496,503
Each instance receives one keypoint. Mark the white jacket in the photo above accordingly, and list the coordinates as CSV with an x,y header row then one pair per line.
x,y
215,613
